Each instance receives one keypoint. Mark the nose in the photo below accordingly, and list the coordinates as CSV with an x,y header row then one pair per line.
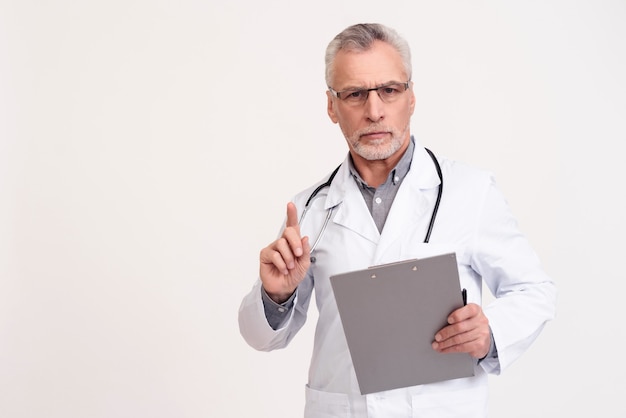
x,y
374,107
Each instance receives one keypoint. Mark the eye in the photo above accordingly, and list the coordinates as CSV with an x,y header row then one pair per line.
x,y
354,95
390,90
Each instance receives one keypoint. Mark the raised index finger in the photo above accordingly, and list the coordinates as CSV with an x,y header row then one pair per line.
x,y
292,215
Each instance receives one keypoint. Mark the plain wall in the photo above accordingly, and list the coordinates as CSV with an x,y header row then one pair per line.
x,y
148,149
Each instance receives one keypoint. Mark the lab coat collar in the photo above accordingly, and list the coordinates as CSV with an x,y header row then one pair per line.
x,y
421,176
412,203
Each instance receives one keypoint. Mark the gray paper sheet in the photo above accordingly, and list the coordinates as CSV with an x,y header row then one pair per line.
x,y
390,315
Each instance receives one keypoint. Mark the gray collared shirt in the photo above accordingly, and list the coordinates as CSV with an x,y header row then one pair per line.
x,y
379,199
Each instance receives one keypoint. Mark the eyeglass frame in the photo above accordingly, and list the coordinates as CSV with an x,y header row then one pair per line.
x,y
336,93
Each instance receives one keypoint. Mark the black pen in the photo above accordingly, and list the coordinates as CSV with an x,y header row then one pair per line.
x,y
464,294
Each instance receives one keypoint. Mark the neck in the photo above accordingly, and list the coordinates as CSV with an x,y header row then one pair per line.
x,y
374,173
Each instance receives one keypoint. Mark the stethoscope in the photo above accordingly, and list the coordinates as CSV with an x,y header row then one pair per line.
x,y
330,210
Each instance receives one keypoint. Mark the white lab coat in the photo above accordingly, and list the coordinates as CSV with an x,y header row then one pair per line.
x,y
475,222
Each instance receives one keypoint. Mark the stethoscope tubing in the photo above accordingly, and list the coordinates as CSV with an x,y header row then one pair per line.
x,y
328,182
439,193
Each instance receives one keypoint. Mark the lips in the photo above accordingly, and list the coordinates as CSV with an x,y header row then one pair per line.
x,y
375,135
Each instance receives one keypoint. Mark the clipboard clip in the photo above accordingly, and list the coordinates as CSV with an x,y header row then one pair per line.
x,y
373,275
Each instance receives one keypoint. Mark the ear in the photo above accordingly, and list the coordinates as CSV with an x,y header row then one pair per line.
x,y
331,107
412,99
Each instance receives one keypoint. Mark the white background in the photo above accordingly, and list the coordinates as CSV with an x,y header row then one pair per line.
x,y
148,148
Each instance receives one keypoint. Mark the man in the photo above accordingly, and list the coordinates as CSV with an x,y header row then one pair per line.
x,y
379,205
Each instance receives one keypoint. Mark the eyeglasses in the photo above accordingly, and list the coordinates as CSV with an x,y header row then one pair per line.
x,y
388,93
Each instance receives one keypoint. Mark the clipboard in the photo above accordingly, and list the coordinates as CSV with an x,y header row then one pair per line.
x,y
390,315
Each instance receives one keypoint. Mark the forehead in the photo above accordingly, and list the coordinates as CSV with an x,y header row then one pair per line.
x,y
377,65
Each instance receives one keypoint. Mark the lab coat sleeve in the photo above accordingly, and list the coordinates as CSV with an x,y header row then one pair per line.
x,y
253,324
525,296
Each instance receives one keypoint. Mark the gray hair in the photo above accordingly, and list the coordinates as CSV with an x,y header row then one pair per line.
x,y
360,37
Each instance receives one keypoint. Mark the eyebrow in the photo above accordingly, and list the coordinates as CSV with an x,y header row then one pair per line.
x,y
367,88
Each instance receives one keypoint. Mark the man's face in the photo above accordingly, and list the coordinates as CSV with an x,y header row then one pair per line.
x,y
374,129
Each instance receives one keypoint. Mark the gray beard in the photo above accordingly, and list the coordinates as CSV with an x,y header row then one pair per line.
x,y
381,151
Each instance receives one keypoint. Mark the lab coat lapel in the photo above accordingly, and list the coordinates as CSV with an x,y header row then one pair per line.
x,y
408,212
412,208
351,212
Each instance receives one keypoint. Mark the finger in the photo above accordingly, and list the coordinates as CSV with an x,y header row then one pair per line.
x,y
451,340
462,322
292,215
306,245
475,345
272,258
459,343
464,313
455,336
471,336
287,251
292,237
